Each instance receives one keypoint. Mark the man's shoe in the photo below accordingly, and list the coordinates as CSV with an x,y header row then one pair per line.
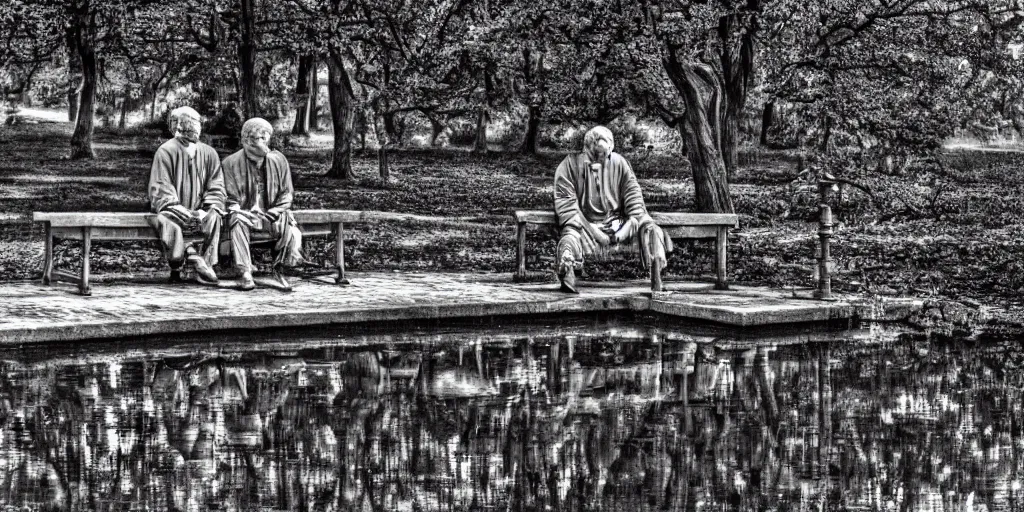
x,y
280,280
203,270
175,276
568,280
247,282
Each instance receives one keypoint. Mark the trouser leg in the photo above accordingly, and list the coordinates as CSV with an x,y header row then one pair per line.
x,y
240,238
569,252
171,239
288,248
211,237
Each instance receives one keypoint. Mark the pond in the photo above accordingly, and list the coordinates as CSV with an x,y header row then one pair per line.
x,y
591,415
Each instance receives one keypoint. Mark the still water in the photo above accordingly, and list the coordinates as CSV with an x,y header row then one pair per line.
x,y
585,417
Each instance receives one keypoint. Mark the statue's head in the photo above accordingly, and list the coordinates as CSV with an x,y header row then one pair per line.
x,y
598,143
256,134
186,124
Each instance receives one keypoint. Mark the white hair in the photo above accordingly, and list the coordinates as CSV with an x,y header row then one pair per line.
x,y
180,112
256,124
596,134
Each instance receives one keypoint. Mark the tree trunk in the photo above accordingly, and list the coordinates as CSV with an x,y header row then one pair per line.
x,y
342,100
767,118
85,30
533,72
247,59
532,131
314,98
383,131
152,106
737,60
480,143
303,97
436,129
74,75
700,90
382,163
122,123
393,125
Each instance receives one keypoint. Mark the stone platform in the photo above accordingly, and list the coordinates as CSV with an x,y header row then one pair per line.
x,y
31,312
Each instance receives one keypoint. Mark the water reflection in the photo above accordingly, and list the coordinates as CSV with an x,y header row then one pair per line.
x,y
630,420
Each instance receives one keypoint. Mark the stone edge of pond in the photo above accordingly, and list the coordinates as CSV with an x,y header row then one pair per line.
x,y
692,306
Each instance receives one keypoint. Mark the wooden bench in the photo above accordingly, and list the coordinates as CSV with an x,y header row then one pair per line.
x,y
89,226
676,225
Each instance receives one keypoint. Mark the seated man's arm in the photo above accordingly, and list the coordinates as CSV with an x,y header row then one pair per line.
x,y
163,197
567,205
285,192
632,197
215,193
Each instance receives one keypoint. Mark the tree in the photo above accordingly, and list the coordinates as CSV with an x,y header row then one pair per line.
x,y
890,79
304,94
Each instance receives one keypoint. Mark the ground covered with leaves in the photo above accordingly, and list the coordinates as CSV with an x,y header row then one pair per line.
x,y
950,230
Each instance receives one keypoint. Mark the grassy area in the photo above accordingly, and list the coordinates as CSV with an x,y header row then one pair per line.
x,y
954,235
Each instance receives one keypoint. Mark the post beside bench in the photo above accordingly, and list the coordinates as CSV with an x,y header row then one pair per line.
x,y
677,225
89,226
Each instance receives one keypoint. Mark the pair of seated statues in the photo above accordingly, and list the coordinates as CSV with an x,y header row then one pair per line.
x,y
598,202
191,190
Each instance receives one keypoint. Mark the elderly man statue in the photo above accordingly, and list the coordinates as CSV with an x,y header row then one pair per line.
x,y
259,190
601,210
186,191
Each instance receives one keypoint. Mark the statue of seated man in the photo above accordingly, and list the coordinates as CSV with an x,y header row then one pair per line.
x,y
186,191
259,198
601,210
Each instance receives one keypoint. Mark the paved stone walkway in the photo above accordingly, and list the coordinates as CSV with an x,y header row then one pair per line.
x,y
31,312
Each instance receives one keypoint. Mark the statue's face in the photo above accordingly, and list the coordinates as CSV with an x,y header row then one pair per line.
x,y
600,150
256,142
188,127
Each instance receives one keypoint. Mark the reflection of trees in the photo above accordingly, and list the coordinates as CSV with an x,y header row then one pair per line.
x,y
582,423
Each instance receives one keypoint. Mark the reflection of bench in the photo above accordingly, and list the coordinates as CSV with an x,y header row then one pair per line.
x,y
89,226
676,225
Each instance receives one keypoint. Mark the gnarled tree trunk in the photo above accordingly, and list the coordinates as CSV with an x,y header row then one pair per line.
x,y
342,99
303,94
74,76
85,40
700,129
737,60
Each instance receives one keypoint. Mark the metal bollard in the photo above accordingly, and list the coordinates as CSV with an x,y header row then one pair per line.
x,y
824,291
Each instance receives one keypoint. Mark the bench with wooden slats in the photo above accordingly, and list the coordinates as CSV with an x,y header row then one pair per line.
x,y
677,225
89,226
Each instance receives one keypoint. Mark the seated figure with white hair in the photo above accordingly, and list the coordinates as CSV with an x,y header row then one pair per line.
x,y
259,198
186,191
601,210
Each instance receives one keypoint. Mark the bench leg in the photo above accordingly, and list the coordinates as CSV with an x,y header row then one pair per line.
x,y
720,254
520,274
48,255
83,283
339,252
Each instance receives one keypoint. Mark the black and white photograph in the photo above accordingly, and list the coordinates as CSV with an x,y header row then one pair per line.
x,y
511,255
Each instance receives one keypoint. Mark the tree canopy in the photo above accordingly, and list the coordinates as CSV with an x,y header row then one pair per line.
x,y
883,78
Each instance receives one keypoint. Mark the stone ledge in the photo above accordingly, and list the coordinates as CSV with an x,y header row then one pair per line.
x,y
32,313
